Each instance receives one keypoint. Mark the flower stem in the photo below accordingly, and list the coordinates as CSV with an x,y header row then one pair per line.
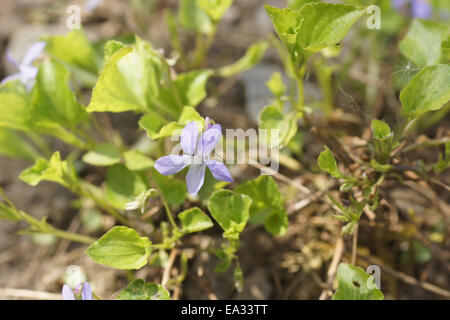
x,y
44,227
202,47
168,211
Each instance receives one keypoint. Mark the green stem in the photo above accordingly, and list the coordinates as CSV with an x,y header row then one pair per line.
x,y
81,191
407,127
202,47
168,212
44,227
160,246
301,95
427,143
73,236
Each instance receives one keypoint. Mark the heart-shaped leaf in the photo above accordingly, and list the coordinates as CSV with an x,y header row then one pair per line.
x,y
121,248
355,284
230,210
428,90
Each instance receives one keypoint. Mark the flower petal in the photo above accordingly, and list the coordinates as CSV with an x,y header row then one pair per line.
x,y
11,59
219,170
189,136
11,77
195,178
91,5
208,123
33,52
86,293
67,293
421,9
171,164
28,73
210,138
398,4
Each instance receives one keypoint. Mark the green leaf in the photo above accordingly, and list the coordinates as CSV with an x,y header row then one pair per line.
x,y
325,24
123,185
314,27
327,163
297,4
52,99
14,146
380,167
422,43
444,160
54,170
355,284
225,259
231,211
8,213
137,161
192,17
194,220
445,57
267,203
287,24
15,106
252,57
210,185
190,114
121,248
74,49
160,259
272,118
276,222
129,80
428,90
139,290
238,277
214,8
156,127
190,88
276,85
18,112
103,155
111,47
174,190
380,129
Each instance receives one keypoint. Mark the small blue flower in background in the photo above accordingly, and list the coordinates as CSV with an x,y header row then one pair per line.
x,y
419,8
27,72
196,154
86,292
90,5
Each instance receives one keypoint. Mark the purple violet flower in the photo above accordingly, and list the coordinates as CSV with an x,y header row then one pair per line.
x,y
90,5
419,8
86,292
27,73
196,154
